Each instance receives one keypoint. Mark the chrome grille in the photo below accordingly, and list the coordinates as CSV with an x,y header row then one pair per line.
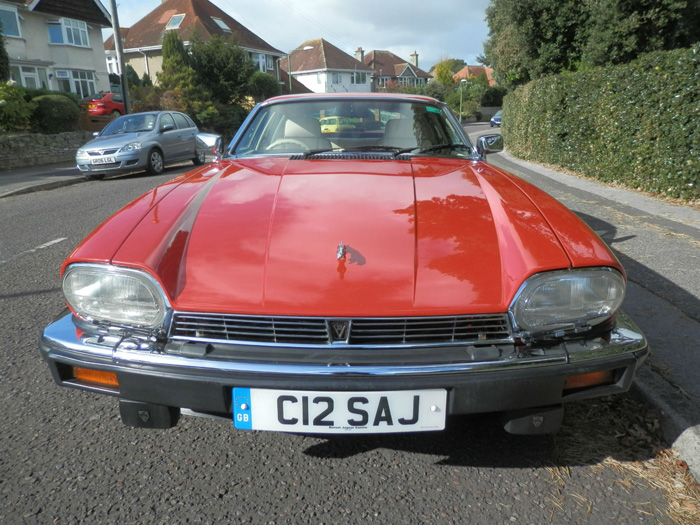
x,y
389,331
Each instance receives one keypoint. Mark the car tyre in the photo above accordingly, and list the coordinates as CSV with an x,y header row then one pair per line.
x,y
200,158
116,114
155,162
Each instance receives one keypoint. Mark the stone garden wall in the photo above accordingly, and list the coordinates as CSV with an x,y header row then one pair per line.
x,y
22,150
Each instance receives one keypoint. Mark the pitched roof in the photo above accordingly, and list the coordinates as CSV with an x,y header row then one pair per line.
x,y
472,71
320,55
391,65
91,11
198,22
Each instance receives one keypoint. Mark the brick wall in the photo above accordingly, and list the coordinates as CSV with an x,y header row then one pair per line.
x,y
18,151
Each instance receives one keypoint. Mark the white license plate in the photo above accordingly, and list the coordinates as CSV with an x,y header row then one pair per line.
x,y
339,412
102,160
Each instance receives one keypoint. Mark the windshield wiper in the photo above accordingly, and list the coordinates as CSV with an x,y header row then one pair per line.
x,y
313,152
436,147
373,147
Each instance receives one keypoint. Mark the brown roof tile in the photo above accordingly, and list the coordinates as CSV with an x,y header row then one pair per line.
x,y
319,55
472,71
198,22
391,65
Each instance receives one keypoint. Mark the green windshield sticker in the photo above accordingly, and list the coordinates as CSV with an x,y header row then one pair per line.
x,y
432,109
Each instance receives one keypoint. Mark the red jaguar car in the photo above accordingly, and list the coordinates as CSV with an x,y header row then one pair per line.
x,y
377,279
111,104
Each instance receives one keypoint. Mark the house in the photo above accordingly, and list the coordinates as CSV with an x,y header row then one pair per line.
x,y
323,68
142,43
56,44
468,72
390,69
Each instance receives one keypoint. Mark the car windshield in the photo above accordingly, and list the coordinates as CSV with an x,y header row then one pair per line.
x,y
312,127
130,124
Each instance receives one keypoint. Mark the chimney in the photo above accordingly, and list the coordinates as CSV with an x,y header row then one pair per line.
x,y
414,58
360,55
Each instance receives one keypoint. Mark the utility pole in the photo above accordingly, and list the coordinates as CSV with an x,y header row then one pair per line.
x,y
120,59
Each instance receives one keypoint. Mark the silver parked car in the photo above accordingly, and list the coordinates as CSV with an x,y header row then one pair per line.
x,y
142,141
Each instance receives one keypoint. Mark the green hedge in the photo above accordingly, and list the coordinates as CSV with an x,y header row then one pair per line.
x,y
636,124
55,114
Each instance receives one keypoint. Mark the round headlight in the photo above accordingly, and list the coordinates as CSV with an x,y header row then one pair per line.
x,y
564,299
118,295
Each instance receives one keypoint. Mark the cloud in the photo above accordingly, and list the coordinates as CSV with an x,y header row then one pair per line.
x,y
450,28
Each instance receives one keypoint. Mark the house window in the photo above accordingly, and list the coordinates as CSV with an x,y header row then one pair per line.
x,y
221,24
358,78
67,31
336,78
81,83
270,64
174,22
9,21
261,62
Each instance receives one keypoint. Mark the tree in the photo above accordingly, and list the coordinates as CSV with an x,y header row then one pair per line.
x,y
533,38
178,85
4,58
262,85
223,68
456,65
620,31
443,72
529,39
132,77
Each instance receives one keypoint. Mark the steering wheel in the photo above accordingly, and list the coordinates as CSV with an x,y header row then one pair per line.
x,y
280,142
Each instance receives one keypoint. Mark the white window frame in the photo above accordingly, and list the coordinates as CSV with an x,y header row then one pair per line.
x,y
175,21
358,75
222,25
336,77
73,32
12,10
82,83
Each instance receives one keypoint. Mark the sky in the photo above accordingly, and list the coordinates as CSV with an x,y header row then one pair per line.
x,y
449,29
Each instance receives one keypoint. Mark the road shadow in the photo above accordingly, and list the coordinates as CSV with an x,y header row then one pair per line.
x,y
616,427
641,274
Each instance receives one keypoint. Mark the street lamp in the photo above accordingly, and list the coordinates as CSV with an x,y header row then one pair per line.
x,y
461,89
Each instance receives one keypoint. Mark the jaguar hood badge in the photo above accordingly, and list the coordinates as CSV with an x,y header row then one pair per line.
x,y
342,250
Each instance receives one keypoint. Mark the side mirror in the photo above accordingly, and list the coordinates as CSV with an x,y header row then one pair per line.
x,y
167,127
489,144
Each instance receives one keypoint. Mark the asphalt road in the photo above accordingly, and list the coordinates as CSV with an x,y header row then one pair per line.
x,y
65,457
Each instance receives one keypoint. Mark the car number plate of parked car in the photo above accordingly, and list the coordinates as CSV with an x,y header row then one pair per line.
x,y
102,160
339,412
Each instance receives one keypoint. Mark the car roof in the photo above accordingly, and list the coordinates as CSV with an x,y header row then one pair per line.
x,y
351,96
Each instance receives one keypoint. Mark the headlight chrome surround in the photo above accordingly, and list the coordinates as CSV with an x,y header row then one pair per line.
x,y
117,295
131,146
565,299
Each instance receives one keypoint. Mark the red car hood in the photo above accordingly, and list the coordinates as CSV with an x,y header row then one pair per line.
x,y
421,237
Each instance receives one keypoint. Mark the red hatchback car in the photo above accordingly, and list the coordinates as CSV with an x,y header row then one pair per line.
x,y
104,104
375,279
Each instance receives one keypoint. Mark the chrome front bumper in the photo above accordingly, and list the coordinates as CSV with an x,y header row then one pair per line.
x,y
149,373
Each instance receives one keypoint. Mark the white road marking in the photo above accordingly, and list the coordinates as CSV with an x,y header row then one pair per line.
x,y
34,250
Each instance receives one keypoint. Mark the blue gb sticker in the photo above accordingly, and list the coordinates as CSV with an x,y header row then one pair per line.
x,y
242,417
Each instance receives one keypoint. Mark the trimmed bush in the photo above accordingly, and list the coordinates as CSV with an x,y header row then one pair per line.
x,y
634,124
15,111
55,114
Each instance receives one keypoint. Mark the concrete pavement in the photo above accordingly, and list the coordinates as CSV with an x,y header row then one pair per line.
x,y
676,400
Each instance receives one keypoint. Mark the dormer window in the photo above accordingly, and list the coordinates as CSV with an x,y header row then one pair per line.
x,y
174,22
221,24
